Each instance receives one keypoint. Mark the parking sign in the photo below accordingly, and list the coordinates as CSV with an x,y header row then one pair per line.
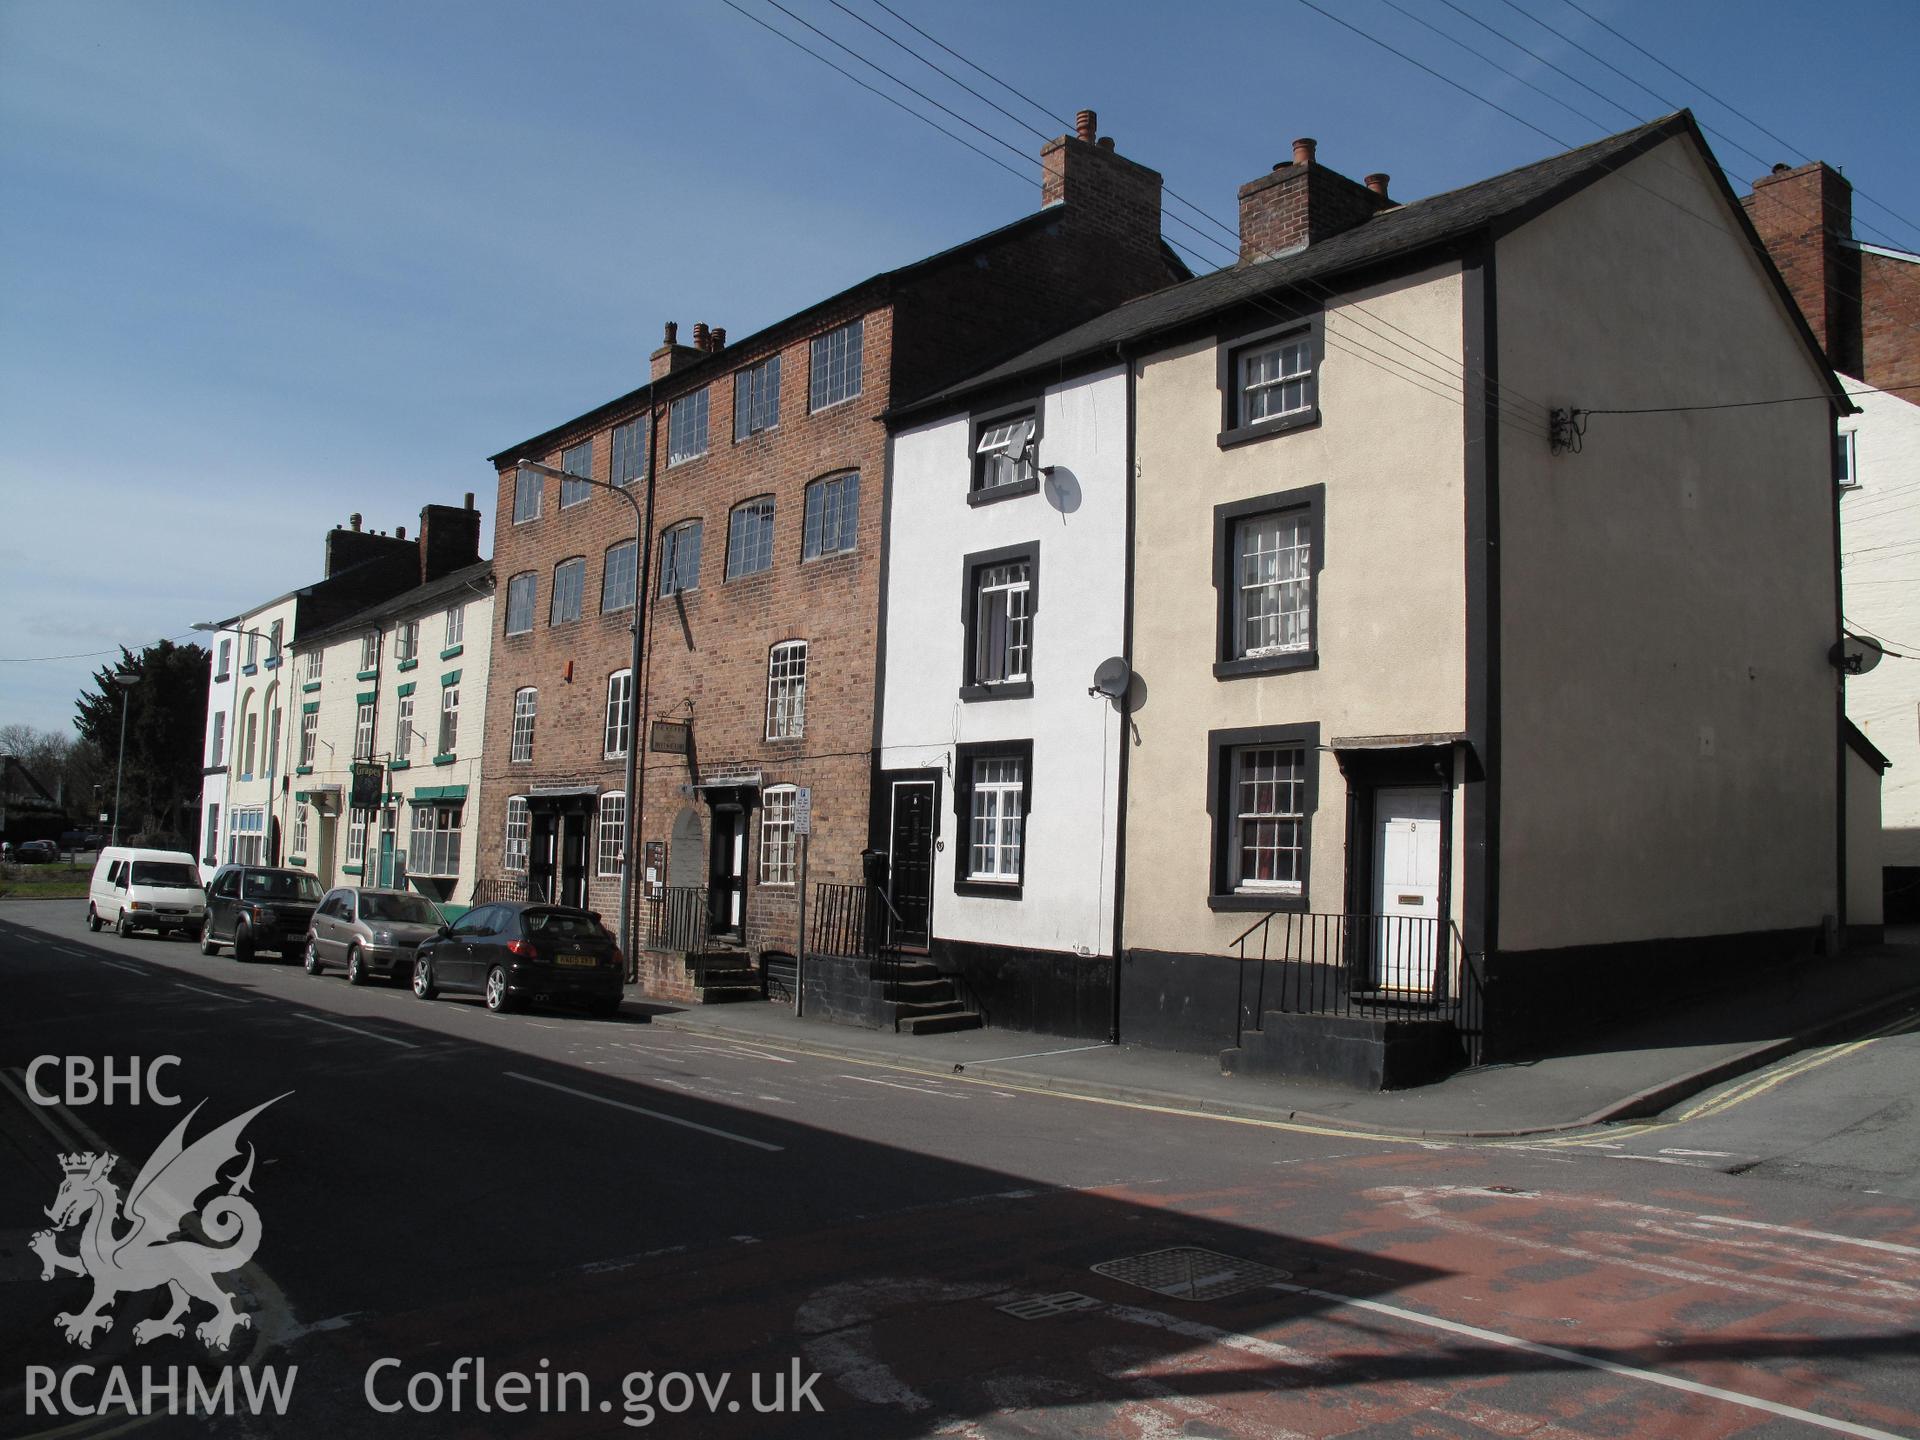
x,y
803,810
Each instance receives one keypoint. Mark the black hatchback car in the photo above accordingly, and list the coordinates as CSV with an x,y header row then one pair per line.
x,y
518,951
256,908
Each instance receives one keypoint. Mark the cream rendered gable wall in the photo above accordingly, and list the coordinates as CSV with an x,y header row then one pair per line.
x,y
1669,732
337,713
1390,596
1880,570
256,697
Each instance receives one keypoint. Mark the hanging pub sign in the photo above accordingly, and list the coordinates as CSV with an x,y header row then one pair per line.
x,y
369,782
671,737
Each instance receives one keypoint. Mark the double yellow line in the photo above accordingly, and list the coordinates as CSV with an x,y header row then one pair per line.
x,y
1746,1090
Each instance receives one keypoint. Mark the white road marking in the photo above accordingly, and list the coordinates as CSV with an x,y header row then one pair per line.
x,y
356,1030
122,965
1594,1362
914,1089
1886,1245
737,1051
77,954
1659,1160
211,994
1711,1154
642,1110
1037,1054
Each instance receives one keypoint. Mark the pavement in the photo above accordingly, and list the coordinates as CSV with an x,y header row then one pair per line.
x,y
1623,1073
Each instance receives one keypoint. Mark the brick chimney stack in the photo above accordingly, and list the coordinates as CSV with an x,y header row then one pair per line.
x,y
672,355
449,538
350,545
1802,216
1302,202
1112,194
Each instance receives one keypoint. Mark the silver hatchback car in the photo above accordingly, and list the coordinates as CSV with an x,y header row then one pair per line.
x,y
370,932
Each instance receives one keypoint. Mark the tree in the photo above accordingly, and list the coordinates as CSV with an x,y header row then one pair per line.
x,y
166,729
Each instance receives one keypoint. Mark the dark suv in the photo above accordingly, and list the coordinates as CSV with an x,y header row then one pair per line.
x,y
257,908
515,951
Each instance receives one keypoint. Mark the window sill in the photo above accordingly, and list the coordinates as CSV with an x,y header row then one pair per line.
x,y
673,464
223,677
352,870
997,493
513,635
1245,901
1007,690
296,859
764,573
249,669
373,674
990,889
1266,665
303,769
399,765
309,687
269,664
451,651
526,519
408,664
1242,434
444,759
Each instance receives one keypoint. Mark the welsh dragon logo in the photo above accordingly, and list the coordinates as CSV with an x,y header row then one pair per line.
x,y
150,1251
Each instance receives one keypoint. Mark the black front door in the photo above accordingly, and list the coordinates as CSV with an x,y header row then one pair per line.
x,y
573,860
540,854
910,851
726,873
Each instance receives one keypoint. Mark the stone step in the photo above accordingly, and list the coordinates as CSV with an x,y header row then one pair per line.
x,y
940,1024
727,994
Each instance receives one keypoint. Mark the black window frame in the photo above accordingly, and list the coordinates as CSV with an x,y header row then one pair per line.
x,y
1221,744
701,399
1227,664
972,689
964,756
676,527
1233,431
815,404
751,389
532,577
606,569
733,519
581,492
979,424
579,593
638,450
818,487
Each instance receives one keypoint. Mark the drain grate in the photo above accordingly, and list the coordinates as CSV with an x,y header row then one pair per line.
x,y
1039,1307
1189,1273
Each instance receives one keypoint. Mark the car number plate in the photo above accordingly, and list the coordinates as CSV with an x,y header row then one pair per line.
x,y
575,960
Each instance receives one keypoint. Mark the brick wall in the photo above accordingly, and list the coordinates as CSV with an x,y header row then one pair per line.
x,y
1302,202
1890,324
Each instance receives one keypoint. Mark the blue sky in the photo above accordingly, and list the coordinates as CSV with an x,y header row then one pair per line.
x,y
263,266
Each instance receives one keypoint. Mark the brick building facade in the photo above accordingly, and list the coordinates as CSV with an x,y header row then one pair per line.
x,y
761,469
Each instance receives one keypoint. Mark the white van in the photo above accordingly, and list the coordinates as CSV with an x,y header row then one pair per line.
x,y
156,890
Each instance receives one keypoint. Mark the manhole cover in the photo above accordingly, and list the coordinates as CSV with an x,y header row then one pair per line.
x,y
1039,1307
1189,1273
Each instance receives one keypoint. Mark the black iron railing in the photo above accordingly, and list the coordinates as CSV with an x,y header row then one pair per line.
x,y
858,922
493,889
677,918
1382,967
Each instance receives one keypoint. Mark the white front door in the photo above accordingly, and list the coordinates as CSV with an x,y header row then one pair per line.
x,y
1406,866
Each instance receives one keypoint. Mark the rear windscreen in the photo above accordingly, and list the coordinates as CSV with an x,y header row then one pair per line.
x,y
559,925
279,885
165,873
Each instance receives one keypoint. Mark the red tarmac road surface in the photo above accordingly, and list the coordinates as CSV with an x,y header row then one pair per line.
x,y
1440,1307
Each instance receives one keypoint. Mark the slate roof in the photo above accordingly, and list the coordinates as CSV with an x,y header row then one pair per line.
x,y
464,580
1413,227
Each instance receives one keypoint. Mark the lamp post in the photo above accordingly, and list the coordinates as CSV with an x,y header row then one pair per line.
x,y
628,828
126,680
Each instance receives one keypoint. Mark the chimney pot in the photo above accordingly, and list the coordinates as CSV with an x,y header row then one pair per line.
x,y
1781,167
719,338
700,335
1086,124
673,333
468,505
1106,142
1303,151
354,520
399,532
1377,183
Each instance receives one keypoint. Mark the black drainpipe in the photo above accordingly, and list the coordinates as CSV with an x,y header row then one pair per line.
x,y
1126,717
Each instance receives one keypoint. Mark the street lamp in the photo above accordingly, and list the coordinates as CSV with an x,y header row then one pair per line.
x,y
126,680
633,685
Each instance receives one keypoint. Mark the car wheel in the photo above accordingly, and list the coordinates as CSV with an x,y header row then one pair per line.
x,y
243,942
123,927
356,967
423,985
314,966
498,1000
208,945
93,919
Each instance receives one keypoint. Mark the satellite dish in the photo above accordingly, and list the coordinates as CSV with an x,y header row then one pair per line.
x,y
1111,678
1855,654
